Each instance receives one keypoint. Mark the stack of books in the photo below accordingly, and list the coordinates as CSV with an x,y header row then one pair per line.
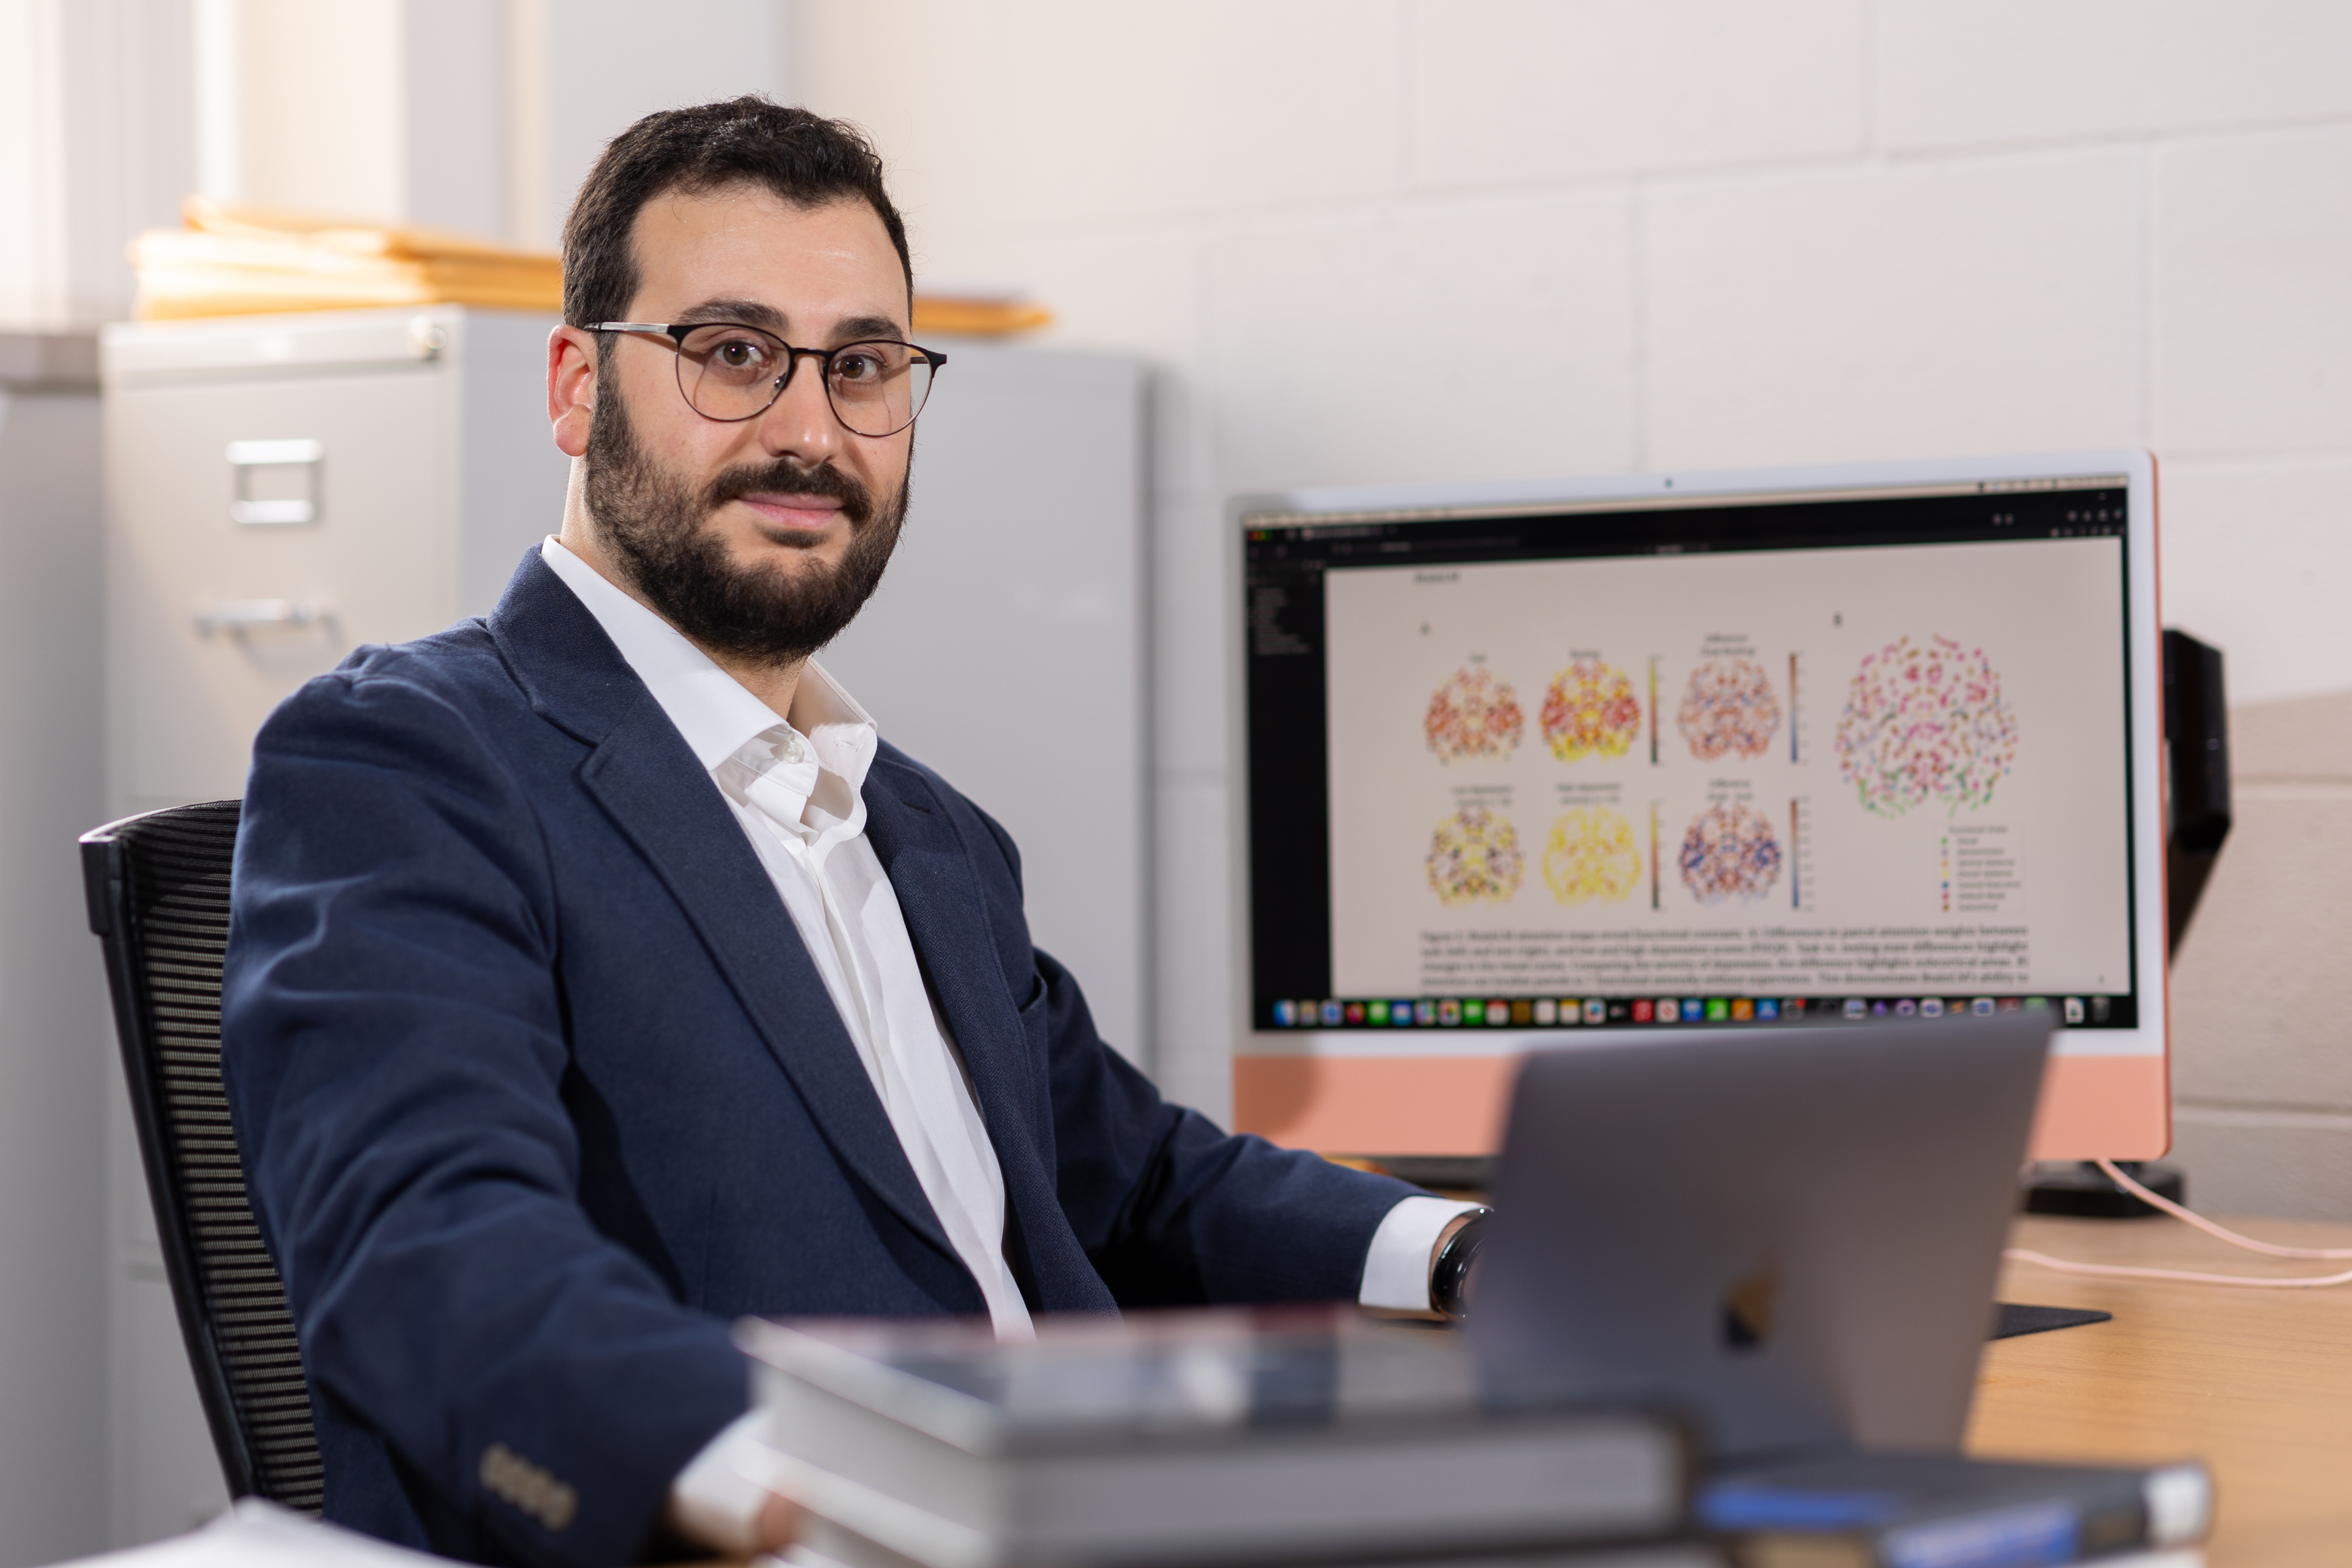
x,y
1231,1437
1319,1437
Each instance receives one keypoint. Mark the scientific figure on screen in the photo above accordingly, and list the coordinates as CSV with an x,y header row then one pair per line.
x,y
600,974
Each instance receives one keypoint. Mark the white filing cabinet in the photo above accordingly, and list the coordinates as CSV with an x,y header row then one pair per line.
x,y
1009,644
53,1084
283,489
279,490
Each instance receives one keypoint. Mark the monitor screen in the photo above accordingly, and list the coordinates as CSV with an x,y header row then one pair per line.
x,y
1720,755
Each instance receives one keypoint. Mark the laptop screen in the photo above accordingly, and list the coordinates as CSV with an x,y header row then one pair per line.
x,y
1721,759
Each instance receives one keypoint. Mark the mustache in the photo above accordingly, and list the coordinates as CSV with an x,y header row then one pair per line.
x,y
783,477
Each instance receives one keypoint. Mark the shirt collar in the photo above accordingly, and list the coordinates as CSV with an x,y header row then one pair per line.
x,y
713,711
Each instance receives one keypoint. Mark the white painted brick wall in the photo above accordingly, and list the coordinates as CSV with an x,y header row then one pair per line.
x,y
1531,92
2261,1078
1889,310
1527,302
2004,72
1695,233
2252,339
2257,560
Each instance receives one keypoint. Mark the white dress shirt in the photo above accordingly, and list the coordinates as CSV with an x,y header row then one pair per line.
x,y
796,787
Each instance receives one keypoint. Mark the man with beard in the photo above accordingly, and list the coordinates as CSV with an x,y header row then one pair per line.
x,y
598,975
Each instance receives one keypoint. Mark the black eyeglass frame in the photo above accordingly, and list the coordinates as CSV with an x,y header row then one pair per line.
x,y
678,332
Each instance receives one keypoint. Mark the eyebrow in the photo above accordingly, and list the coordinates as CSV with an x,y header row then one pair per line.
x,y
742,313
861,328
753,313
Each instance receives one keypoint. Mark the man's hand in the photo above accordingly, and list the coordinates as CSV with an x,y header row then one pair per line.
x,y
726,1500
779,1523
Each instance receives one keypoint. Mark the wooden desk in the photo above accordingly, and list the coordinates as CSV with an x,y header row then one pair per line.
x,y
2258,1383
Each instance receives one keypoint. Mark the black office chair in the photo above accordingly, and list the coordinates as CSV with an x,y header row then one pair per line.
x,y
158,890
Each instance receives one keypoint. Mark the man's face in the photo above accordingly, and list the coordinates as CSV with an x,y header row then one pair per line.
x,y
761,538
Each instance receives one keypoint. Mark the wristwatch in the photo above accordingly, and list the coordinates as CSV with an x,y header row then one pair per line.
x,y
1449,1276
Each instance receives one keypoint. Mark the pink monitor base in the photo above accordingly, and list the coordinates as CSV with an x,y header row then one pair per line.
x,y
2115,1106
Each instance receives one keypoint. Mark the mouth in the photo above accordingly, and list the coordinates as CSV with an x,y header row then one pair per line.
x,y
791,513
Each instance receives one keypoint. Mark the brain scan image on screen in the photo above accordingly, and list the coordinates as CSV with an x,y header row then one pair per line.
x,y
1475,714
1473,856
1730,852
1589,711
1728,707
1926,722
1591,857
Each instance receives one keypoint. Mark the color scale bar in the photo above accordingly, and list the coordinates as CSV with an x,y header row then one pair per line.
x,y
1792,707
1654,747
1654,851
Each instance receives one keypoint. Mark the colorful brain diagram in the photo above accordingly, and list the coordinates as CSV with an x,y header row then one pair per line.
x,y
1474,714
1730,853
1591,856
1475,856
1589,711
1926,722
1727,707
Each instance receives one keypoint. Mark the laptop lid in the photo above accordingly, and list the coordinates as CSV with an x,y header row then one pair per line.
x,y
1795,1232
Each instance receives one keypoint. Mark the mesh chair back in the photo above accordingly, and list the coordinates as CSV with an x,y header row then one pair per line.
x,y
158,892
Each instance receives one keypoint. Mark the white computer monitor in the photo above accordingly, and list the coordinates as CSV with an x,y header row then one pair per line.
x,y
1529,763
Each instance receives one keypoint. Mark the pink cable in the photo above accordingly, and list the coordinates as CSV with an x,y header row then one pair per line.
x,y
2270,1250
2224,1232
2123,1271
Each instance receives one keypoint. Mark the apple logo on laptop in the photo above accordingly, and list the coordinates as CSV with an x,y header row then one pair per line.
x,y
1748,1307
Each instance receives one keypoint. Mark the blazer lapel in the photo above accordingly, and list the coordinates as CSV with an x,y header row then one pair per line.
x,y
646,778
931,871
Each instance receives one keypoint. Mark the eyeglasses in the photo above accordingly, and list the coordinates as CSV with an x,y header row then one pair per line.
x,y
732,372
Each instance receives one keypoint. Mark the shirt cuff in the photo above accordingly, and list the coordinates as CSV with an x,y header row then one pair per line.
x,y
1396,1267
718,1498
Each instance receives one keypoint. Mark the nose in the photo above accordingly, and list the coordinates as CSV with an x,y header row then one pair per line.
x,y
801,420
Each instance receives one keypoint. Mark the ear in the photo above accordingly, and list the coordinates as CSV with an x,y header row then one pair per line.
x,y
570,387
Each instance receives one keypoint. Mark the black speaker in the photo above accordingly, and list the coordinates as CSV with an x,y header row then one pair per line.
x,y
2197,776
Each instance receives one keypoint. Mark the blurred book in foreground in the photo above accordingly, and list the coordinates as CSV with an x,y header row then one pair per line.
x,y
1938,1511
1194,1437
252,1534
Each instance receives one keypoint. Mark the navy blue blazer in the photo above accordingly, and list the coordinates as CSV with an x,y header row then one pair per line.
x,y
537,1088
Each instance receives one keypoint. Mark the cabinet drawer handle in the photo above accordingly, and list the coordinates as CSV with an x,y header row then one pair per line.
x,y
244,457
237,616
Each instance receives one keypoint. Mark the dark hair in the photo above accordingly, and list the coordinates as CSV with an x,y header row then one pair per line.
x,y
803,158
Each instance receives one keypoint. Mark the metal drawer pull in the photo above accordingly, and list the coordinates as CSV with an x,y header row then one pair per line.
x,y
239,616
244,457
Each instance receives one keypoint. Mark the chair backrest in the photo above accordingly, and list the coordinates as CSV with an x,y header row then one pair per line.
x,y
158,893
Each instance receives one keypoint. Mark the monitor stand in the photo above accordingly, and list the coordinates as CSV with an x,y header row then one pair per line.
x,y
2082,1191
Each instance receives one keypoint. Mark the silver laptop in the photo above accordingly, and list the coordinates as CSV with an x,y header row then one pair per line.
x,y
1795,1231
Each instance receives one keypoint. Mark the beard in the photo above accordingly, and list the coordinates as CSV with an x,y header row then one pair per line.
x,y
657,526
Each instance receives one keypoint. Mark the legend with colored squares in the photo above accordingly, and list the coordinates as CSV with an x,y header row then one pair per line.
x,y
1926,722
1474,714
1589,711
1727,707
1730,852
1473,856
